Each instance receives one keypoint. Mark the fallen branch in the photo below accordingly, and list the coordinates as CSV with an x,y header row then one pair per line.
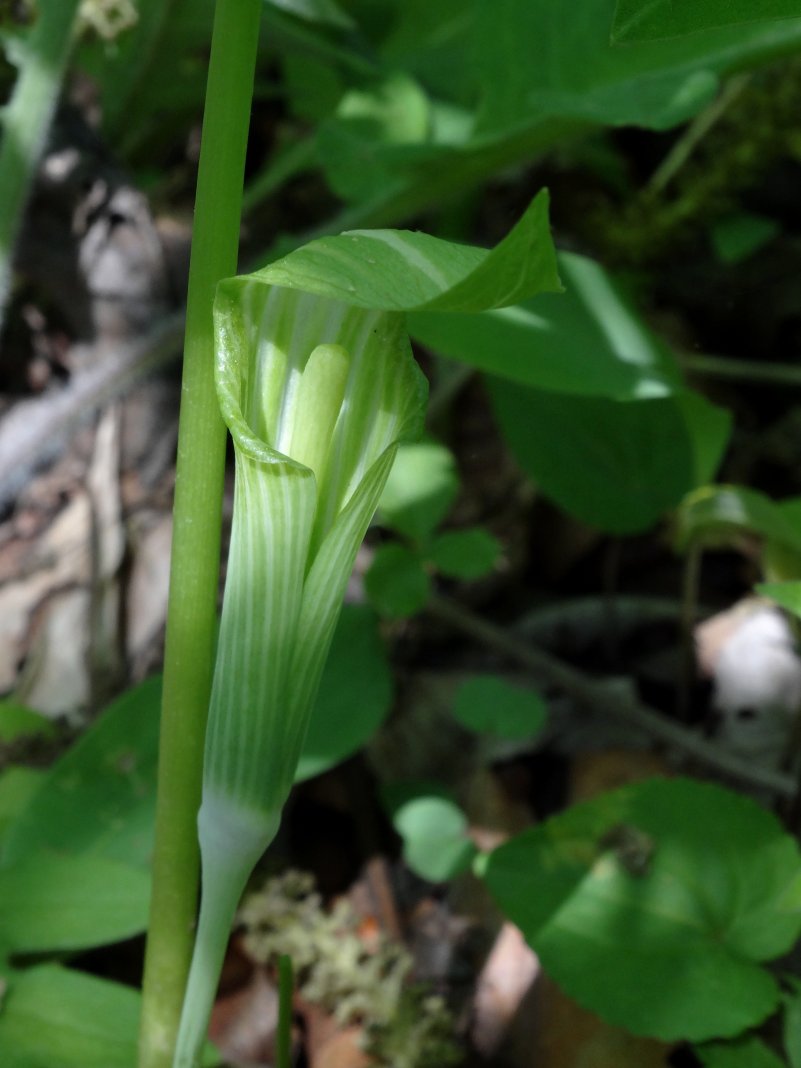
x,y
33,431
587,692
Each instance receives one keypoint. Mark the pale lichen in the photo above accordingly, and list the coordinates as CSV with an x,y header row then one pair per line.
x,y
404,1024
107,19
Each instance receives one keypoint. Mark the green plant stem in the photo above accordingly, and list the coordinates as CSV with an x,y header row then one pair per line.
x,y
191,616
288,163
695,133
756,371
27,119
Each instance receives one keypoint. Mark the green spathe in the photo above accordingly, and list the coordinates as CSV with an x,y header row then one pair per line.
x,y
318,386
317,395
316,403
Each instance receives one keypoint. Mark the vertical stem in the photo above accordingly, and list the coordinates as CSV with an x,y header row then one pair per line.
x,y
283,1038
691,580
196,536
27,119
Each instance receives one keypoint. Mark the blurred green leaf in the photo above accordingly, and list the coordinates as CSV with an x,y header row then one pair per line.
x,y
58,902
360,147
490,704
396,582
432,42
719,515
579,74
615,465
786,594
644,20
99,797
422,486
683,930
56,1018
17,787
791,1022
710,429
587,340
737,237
17,721
748,1052
436,845
465,554
354,696
314,86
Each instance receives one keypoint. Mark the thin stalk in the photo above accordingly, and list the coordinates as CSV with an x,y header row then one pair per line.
x,y
288,163
690,587
756,371
283,1037
27,119
194,572
695,133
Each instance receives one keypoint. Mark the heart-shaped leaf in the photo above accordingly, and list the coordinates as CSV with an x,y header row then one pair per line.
x,y
655,905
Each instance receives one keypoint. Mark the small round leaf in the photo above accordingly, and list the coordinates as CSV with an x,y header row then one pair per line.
x,y
465,554
434,832
489,704
354,696
397,583
420,490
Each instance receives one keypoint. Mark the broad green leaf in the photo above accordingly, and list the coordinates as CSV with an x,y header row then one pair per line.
x,y
361,145
709,428
615,465
396,582
719,515
786,594
490,704
16,721
434,829
642,20
677,889
422,486
314,87
791,1029
354,696
17,787
790,508
402,270
58,902
432,41
737,237
748,1052
538,59
465,554
52,1017
587,340
99,797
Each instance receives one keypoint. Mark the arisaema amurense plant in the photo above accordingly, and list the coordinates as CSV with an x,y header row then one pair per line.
x,y
318,386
